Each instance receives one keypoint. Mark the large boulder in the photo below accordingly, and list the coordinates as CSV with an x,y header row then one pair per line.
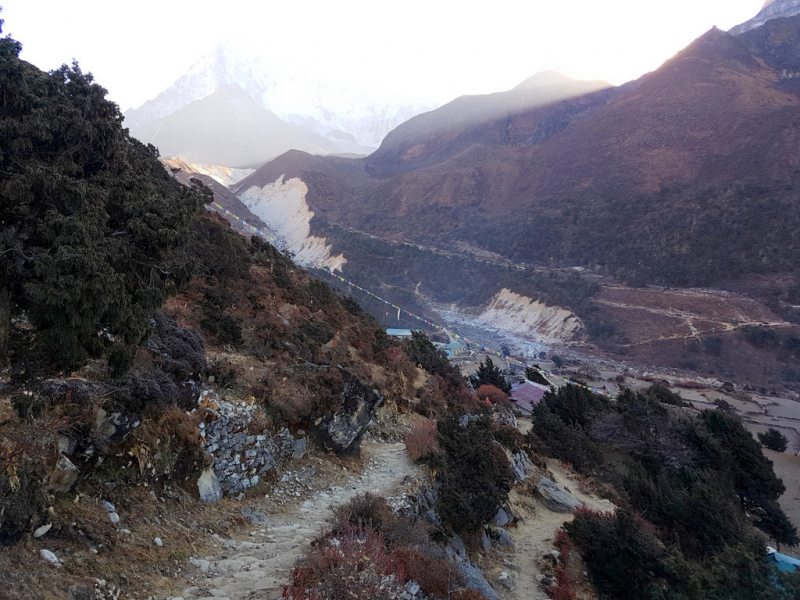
x,y
342,430
555,497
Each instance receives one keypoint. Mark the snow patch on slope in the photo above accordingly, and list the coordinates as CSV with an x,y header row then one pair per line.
x,y
282,206
772,9
530,319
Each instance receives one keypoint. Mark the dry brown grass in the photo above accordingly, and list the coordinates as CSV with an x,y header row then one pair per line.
x,y
131,562
422,439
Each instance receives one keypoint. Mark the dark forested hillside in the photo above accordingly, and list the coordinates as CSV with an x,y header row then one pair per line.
x,y
697,496
92,229
687,176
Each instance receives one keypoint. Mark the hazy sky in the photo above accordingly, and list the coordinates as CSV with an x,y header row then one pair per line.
x,y
414,49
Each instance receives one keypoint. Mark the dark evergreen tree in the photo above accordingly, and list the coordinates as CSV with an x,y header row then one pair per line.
x,y
773,439
489,374
422,352
91,226
533,374
753,477
475,477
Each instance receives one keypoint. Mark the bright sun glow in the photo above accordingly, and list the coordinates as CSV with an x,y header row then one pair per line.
x,y
415,49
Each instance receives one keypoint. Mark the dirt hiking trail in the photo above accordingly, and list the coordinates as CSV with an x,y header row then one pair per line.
x,y
259,563
536,531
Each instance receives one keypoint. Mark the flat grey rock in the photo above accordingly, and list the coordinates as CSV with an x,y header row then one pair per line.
x,y
42,530
300,446
48,556
504,540
502,517
486,542
474,579
555,497
506,580
456,550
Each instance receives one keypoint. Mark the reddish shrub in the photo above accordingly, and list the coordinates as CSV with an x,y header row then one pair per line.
x,y
564,544
562,591
397,361
350,564
354,561
436,577
459,398
421,440
370,511
493,394
431,401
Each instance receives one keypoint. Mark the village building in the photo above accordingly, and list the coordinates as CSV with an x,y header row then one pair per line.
x,y
526,395
403,334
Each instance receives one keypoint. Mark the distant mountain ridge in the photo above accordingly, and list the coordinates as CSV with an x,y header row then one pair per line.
x,y
675,178
353,123
228,128
432,137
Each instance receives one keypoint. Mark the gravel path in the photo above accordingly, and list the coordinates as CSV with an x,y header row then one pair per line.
x,y
261,566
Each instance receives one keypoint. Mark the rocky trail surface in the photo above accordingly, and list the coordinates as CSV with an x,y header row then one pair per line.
x,y
258,563
534,534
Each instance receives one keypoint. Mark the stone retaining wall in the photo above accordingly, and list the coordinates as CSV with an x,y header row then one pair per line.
x,y
240,457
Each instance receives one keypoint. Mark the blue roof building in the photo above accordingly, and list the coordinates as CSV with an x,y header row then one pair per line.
x,y
785,563
399,333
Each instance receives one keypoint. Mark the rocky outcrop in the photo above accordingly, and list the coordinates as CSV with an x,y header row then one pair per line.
x,y
283,207
555,497
530,318
343,430
474,579
521,465
114,427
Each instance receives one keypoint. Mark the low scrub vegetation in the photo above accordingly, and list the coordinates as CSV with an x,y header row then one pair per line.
x,y
372,552
422,439
708,494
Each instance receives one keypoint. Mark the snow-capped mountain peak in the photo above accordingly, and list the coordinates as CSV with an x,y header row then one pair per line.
x,y
327,108
772,9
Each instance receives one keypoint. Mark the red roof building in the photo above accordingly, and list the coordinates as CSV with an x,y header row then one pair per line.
x,y
526,395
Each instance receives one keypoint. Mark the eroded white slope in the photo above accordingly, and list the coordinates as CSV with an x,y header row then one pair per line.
x,y
227,176
282,206
530,319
